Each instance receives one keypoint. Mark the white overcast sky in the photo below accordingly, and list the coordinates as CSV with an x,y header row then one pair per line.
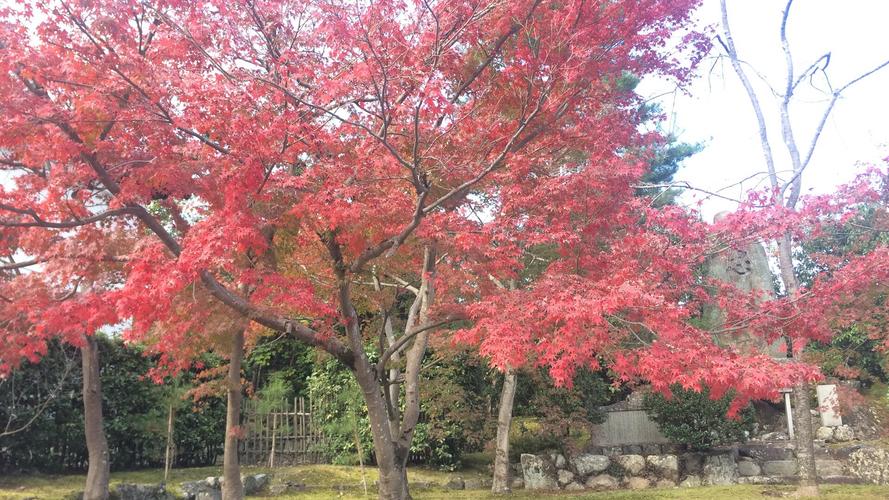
x,y
718,113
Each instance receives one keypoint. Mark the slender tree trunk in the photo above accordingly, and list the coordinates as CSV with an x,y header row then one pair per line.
x,y
802,392
504,421
99,467
232,489
168,453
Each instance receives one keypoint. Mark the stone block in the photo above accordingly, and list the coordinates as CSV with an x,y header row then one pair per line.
x,y
779,468
664,466
638,483
587,464
828,468
602,482
633,465
538,473
747,467
719,469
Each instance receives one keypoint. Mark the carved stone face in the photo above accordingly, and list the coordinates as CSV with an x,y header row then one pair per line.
x,y
739,262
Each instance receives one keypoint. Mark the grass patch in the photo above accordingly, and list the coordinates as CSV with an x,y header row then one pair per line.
x,y
327,479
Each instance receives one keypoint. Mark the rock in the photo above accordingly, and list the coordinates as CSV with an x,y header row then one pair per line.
x,y
538,473
665,483
516,483
559,460
457,483
747,467
214,482
843,434
587,464
250,485
773,436
692,463
829,468
719,469
127,491
201,490
824,433
651,449
870,464
766,451
574,486
638,483
779,468
692,481
565,476
602,482
664,466
633,449
633,465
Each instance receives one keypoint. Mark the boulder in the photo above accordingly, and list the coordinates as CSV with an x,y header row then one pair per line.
x,y
843,434
829,468
565,476
692,481
870,464
201,490
559,460
125,491
766,451
779,468
665,483
602,482
638,483
574,486
747,467
538,473
251,485
719,469
214,482
664,466
824,433
692,463
587,464
633,465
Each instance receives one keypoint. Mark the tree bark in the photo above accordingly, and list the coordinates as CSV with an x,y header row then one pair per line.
x,y
802,392
168,453
99,469
232,489
504,421
391,484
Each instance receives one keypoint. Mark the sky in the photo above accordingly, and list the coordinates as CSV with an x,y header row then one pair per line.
x,y
715,110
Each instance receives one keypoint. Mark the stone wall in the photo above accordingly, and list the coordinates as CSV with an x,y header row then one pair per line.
x,y
755,463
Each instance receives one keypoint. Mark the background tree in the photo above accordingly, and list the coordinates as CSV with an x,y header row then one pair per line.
x,y
788,190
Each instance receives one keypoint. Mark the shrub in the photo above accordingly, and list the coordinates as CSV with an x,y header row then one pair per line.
x,y
696,420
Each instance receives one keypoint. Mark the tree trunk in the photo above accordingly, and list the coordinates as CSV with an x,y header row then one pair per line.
x,y
805,443
504,420
232,489
99,470
802,405
392,485
168,453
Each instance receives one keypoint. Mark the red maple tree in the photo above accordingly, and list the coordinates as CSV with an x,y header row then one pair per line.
x,y
354,175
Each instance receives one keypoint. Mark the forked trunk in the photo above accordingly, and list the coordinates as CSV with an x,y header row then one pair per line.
x,y
392,484
98,473
504,420
232,489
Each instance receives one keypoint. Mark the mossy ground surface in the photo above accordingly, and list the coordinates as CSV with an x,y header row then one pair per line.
x,y
326,479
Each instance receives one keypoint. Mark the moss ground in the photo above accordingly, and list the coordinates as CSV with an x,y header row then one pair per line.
x,y
327,478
